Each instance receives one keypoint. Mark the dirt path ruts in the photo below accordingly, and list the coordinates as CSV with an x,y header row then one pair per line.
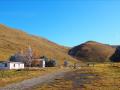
x,y
27,84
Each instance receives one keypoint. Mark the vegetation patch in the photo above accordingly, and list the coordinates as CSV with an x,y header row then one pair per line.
x,y
99,77
13,76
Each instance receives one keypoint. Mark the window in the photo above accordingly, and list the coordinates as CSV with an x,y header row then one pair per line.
x,y
5,64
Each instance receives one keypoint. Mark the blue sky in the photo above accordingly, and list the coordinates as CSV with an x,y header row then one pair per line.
x,y
66,22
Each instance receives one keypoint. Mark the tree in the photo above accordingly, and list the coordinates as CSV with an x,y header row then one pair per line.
x,y
26,58
50,63
29,56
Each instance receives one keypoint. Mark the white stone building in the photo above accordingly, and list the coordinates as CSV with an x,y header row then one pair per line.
x,y
11,65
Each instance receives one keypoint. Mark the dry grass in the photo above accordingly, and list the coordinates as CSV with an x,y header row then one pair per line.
x,y
12,76
109,78
93,51
12,40
100,77
58,84
68,82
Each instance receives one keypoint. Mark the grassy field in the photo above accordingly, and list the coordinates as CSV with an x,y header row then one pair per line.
x,y
12,76
109,78
99,77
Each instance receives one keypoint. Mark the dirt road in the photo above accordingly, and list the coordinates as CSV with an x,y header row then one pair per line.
x,y
27,84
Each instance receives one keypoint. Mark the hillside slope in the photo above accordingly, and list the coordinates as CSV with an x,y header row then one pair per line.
x,y
92,51
12,41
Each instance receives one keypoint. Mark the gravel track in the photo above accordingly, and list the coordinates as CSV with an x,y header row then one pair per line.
x,y
28,84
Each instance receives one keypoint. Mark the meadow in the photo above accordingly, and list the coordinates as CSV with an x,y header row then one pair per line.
x,y
99,77
14,76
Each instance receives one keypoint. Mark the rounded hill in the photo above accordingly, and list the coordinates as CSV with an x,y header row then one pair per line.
x,y
92,51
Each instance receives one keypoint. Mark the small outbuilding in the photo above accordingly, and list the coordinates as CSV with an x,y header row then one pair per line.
x,y
11,65
38,63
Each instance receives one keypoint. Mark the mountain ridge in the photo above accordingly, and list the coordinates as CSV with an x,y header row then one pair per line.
x,y
12,41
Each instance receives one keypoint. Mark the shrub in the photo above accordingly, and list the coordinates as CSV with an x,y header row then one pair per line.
x,y
50,63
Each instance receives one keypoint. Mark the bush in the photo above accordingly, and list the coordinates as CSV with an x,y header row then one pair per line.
x,y
50,63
